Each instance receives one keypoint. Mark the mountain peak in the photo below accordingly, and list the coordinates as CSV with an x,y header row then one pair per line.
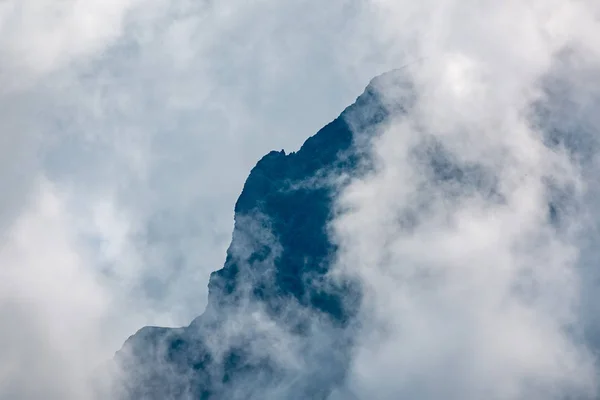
x,y
275,278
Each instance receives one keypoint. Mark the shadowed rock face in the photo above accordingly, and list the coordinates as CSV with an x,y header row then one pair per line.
x,y
276,325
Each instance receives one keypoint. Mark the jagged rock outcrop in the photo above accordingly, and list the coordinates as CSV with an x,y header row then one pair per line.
x,y
276,325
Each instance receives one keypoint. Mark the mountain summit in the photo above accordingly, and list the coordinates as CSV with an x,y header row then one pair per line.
x,y
277,324
282,319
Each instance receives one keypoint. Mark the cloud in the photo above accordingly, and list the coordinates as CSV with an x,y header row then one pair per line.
x,y
471,288
51,306
129,126
139,121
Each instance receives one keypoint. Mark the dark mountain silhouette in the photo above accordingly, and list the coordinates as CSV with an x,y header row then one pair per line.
x,y
276,325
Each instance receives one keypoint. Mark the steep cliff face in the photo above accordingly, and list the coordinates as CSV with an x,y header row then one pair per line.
x,y
277,325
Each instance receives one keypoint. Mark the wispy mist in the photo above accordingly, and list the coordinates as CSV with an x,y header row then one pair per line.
x,y
467,233
128,128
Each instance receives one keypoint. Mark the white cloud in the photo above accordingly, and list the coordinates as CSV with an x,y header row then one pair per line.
x,y
479,295
142,119
52,306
